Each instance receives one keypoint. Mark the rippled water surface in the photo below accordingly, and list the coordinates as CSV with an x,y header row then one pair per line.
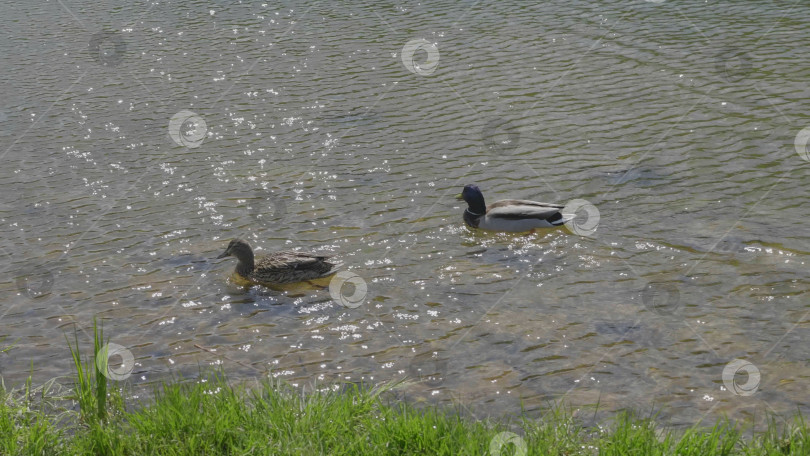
x,y
306,127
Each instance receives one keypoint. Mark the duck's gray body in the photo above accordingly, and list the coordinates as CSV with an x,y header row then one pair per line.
x,y
511,215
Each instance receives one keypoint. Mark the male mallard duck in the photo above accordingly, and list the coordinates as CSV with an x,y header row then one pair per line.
x,y
508,215
279,267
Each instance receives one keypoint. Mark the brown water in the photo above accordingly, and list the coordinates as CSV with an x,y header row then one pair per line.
x,y
676,120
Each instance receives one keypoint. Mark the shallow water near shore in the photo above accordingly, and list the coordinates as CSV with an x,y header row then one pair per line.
x,y
676,120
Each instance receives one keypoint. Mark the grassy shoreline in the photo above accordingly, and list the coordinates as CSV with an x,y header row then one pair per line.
x,y
214,416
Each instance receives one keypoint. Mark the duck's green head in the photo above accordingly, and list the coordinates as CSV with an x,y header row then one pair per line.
x,y
472,194
238,248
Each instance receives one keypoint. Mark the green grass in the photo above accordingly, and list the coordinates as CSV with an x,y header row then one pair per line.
x,y
214,417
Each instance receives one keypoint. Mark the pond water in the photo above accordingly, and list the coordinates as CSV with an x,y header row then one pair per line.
x,y
139,138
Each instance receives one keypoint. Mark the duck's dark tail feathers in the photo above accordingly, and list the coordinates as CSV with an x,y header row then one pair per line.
x,y
558,219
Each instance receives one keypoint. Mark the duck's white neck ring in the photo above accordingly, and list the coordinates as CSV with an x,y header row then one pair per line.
x,y
472,213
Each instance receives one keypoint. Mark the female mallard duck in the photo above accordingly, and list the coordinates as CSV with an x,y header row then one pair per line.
x,y
280,267
508,215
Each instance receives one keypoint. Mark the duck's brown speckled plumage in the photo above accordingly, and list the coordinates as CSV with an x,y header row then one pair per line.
x,y
280,267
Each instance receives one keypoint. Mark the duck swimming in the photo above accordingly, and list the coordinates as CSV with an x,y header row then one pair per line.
x,y
280,267
511,216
